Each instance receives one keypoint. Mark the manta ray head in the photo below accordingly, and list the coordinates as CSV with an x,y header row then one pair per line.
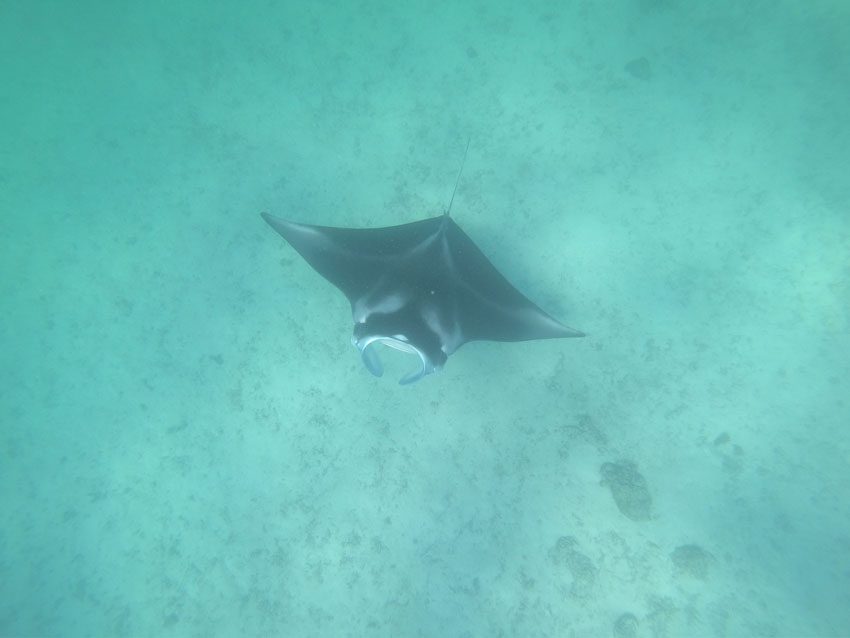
x,y
399,333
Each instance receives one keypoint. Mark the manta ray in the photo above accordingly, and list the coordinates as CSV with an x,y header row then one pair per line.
x,y
423,288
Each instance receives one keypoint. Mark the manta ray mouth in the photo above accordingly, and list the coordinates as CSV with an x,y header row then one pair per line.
x,y
368,352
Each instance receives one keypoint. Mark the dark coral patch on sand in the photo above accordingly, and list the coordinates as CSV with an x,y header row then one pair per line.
x,y
629,489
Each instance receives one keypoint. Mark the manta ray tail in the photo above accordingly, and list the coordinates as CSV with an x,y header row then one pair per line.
x,y
459,173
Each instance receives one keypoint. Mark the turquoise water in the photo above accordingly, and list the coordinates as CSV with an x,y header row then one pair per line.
x,y
190,446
